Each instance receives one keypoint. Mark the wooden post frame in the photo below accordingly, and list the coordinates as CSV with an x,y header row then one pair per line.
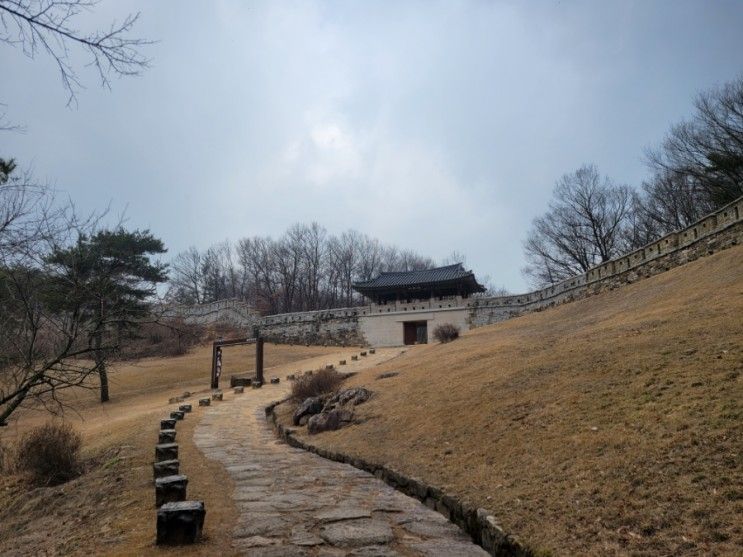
x,y
217,356
259,360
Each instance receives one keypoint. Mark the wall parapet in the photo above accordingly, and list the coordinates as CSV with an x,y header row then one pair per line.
x,y
711,233
232,310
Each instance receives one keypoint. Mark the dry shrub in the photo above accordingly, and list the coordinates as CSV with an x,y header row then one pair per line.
x,y
320,382
50,454
446,333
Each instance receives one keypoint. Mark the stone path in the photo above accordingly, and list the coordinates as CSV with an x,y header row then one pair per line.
x,y
295,503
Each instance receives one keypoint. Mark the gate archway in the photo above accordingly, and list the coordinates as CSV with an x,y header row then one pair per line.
x,y
217,347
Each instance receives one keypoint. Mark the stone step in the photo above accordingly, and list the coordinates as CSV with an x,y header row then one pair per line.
x,y
166,436
168,423
166,451
165,468
170,489
180,523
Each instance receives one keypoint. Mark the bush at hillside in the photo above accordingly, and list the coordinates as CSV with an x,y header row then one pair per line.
x,y
50,454
446,333
319,383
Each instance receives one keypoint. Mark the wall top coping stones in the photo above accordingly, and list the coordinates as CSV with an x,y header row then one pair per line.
x,y
648,252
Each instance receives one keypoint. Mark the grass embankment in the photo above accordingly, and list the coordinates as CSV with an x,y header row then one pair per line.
x,y
109,510
611,425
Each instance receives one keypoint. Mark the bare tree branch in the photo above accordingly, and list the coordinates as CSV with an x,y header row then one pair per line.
x,y
48,26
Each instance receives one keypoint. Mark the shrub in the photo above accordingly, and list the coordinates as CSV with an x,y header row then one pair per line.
x,y
49,454
446,333
320,382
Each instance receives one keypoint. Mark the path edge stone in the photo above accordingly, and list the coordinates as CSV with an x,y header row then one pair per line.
x,y
479,523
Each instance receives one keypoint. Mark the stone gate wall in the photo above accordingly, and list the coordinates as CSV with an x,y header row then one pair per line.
x,y
339,327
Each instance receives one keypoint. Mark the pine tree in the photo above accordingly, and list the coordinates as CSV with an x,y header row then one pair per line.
x,y
118,279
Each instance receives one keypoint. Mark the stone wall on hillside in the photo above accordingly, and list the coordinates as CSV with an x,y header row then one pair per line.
x,y
335,327
233,312
715,232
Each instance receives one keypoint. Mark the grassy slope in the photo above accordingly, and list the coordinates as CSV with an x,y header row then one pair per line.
x,y
109,510
609,425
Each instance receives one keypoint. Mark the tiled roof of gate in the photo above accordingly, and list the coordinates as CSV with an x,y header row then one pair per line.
x,y
449,273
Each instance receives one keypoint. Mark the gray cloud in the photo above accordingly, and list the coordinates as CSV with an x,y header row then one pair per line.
x,y
436,126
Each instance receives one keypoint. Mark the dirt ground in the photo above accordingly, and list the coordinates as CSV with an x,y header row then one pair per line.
x,y
110,509
612,425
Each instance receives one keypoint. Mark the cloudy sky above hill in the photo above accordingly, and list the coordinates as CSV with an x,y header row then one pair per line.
x,y
436,126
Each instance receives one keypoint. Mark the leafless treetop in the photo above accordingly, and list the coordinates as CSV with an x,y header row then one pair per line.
x,y
48,26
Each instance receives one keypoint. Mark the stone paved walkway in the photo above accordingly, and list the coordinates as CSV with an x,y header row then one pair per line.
x,y
294,503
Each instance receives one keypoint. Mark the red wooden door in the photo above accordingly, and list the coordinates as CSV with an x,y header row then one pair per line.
x,y
410,332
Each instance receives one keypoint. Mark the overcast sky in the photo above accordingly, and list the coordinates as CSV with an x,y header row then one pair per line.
x,y
436,126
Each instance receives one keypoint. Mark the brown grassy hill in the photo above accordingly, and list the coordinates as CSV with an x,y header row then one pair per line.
x,y
611,425
109,510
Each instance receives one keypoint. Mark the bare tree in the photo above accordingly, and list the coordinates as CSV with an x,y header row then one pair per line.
x,y
699,165
455,257
41,351
584,226
491,289
642,227
186,281
48,26
304,269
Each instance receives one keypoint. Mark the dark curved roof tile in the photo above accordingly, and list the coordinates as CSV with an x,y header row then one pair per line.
x,y
396,279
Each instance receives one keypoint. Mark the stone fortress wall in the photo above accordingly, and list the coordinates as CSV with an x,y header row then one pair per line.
x,y
382,326
235,312
715,232
329,326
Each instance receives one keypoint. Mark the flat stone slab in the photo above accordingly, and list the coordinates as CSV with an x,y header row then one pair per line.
x,y
275,551
431,529
374,551
302,537
341,513
355,533
263,524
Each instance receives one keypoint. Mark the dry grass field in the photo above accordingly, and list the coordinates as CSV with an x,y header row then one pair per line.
x,y
612,425
109,510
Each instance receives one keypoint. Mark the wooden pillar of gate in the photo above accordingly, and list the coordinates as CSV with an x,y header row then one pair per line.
x,y
215,378
259,359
